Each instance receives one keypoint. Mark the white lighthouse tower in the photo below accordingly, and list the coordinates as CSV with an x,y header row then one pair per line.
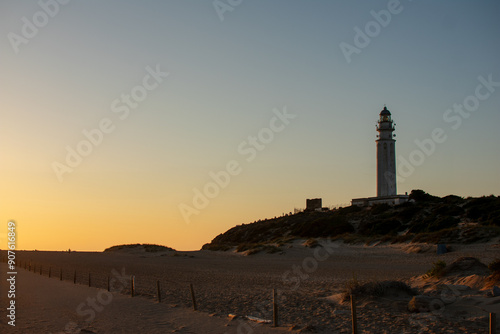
x,y
386,155
386,165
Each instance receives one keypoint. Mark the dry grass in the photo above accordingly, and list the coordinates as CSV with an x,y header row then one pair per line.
x,y
437,270
375,289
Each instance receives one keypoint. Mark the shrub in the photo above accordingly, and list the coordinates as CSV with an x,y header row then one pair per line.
x,y
493,218
380,227
433,224
439,237
375,289
246,246
216,247
448,210
156,248
409,212
348,210
453,199
350,286
495,266
323,227
437,269
380,208
480,208
421,196
442,223
402,238
147,247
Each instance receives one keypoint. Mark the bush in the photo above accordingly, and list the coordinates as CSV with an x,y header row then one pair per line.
x,y
480,208
495,266
437,269
421,196
350,286
402,238
375,289
493,218
380,227
440,237
216,247
246,246
380,208
151,248
409,212
453,199
419,226
448,210
323,227
348,210
442,223
156,248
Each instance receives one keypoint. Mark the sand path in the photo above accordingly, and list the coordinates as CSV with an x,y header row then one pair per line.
x,y
45,305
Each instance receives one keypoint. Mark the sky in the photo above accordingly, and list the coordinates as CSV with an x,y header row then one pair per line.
x,y
170,122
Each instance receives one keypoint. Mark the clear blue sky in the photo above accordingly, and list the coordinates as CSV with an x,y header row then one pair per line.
x,y
225,78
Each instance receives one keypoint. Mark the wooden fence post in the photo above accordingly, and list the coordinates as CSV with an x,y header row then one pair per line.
x,y
74,277
108,284
275,309
353,314
158,289
40,269
50,271
132,286
195,307
60,275
493,323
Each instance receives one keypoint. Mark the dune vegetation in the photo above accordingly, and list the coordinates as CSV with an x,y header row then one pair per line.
x,y
424,219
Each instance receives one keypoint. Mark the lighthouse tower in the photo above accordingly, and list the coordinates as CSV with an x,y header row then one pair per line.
x,y
386,155
386,166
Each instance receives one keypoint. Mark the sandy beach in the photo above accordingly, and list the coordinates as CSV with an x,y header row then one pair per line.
x,y
308,281
46,305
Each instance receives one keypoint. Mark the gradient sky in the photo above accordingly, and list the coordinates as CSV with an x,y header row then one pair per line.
x,y
225,79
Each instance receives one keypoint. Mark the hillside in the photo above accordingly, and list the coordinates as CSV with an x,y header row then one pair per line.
x,y
425,218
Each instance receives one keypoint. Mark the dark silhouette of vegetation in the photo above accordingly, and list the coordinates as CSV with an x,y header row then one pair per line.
x,y
425,218
421,196
495,266
375,289
380,208
437,269
150,248
323,227
381,227
485,210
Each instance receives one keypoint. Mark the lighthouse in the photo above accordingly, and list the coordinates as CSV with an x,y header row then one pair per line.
x,y
386,165
386,155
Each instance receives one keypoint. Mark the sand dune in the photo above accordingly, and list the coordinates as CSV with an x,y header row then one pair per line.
x,y
229,283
